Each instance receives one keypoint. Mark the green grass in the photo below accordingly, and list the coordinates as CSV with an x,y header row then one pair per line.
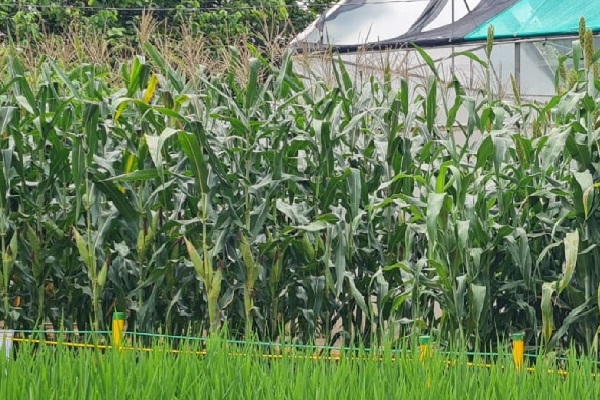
x,y
244,373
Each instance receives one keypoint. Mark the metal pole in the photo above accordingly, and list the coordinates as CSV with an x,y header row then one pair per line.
x,y
453,74
518,66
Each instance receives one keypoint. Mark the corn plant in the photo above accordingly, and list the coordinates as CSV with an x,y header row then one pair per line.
x,y
284,207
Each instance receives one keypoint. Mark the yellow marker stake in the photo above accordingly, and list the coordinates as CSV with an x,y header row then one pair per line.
x,y
118,327
424,347
425,351
518,349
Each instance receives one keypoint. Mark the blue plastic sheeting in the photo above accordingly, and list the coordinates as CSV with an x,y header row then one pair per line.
x,y
529,18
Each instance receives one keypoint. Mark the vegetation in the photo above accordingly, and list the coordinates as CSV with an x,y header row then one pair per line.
x,y
286,207
242,372
218,21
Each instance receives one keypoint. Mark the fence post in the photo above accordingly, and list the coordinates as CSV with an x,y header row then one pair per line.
x,y
424,352
518,350
424,347
118,327
6,343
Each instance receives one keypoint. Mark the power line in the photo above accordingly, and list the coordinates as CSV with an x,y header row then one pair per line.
x,y
202,9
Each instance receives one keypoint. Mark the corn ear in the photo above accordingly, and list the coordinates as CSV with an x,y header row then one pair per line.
x,y
9,256
14,245
151,234
213,299
308,248
197,260
275,275
103,274
144,239
215,287
83,248
34,243
248,259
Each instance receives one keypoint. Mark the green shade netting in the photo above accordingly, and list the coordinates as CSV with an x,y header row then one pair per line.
x,y
541,17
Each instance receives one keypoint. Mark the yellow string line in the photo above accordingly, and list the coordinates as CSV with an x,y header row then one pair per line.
x,y
68,344
560,372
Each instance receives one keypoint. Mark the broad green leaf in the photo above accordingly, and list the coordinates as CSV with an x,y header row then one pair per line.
x,y
518,246
119,199
462,229
354,191
6,115
340,260
21,86
314,226
579,313
399,176
548,289
22,101
501,146
78,170
428,60
292,211
253,84
91,115
103,230
459,296
545,251
571,251
164,66
484,152
435,202
588,201
135,176
478,294
431,104
358,297
584,179
584,195
155,146
471,56
6,175
329,218
554,148
458,102
195,155
71,85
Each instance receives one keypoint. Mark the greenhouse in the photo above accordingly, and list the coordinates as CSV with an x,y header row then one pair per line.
x,y
530,35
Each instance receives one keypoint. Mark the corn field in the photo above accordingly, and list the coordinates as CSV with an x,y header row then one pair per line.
x,y
279,206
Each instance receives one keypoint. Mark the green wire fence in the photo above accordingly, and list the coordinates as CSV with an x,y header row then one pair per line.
x,y
98,340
